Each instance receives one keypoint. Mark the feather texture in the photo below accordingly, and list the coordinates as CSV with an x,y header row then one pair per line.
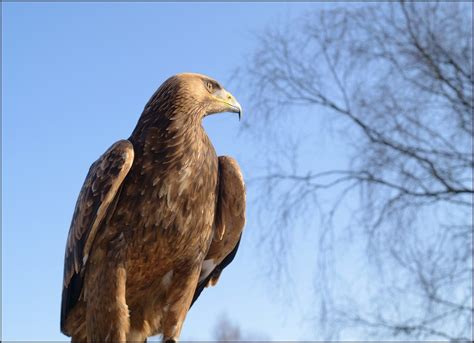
x,y
98,192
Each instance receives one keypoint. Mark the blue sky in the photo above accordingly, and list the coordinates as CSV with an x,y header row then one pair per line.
x,y
75,79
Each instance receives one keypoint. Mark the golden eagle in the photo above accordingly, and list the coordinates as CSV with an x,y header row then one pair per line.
x,y
157,219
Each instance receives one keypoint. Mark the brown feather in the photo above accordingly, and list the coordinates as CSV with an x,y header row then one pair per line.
x,y
230,212
229,222
100,187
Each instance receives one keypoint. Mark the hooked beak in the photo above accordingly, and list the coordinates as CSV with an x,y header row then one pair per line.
x,y
232,103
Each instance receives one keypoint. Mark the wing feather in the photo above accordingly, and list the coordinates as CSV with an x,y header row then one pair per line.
x,y
100,187
229,222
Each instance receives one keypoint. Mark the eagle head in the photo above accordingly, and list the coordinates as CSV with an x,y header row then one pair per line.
x,y
198,94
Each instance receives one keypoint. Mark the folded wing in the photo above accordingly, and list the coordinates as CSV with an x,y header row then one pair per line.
x,y
97,194
229,224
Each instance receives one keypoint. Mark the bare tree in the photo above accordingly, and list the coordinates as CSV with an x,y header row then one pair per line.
x,y
227,331
396,80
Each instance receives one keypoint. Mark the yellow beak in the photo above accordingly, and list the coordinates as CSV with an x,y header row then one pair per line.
x,y
230,101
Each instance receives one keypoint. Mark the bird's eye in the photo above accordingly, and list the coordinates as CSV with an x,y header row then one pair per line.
x,y
209,86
